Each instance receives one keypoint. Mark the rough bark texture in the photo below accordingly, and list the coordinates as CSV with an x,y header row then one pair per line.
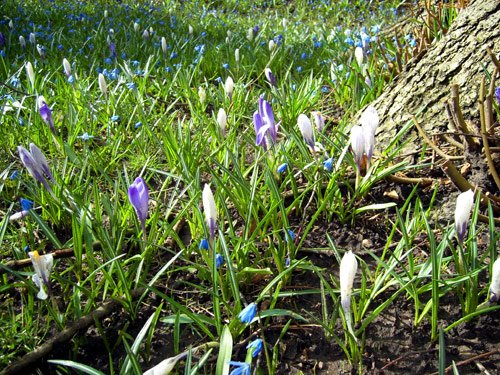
x,y
459,57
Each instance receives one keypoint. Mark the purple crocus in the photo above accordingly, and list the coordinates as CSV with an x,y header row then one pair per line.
x,y
36,164
265,127
497,95
138,194
46,113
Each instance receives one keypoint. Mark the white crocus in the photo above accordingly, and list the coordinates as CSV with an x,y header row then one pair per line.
x,y
465,201
31,73
250,34
358,54
306,130
357,141
348,268
272,45
237,55
137,27
164,46
495,282
202,94
369,122
210,210
42,265
66,67
319,120
102,84
229,87
32,38
22,41
145,34
222,120
190,30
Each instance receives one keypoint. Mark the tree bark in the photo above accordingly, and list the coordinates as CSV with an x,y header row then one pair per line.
x,y
460,57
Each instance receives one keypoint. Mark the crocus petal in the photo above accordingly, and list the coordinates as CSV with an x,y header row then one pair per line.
x,y
210,210
222,119
42,294
31,164
306,130
495,282
138,195
41,160
348,268
357,143
465,201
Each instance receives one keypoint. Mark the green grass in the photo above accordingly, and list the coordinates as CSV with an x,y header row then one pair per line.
x,y
152,123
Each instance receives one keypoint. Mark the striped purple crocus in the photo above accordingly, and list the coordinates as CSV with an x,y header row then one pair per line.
x,y
138,194
265,127
36,164
46,113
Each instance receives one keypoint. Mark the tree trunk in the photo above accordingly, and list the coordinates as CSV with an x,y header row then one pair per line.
x,y
460,57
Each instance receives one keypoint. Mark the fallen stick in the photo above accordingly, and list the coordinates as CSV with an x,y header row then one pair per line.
x,y
66,334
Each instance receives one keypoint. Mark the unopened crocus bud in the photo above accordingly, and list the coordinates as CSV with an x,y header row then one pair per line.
x,y
164,46
358,54
190,30
137,27
237,55
145,34
319,120
222,120
41,51
369,122
32,38
495,282
138,194
210,210
306,130
11,24
270,77
46,113
250,34
166,366
22,41
229,87
202,94
272,45
41,161
357,141
30,73
66,67
105,13
284,22
42,264
465,201
348,268
102,84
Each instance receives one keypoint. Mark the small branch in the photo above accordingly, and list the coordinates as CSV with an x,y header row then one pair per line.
x,y
432,144
424,181
458,116
469,360
67,334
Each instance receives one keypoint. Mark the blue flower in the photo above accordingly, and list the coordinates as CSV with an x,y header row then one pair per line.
x,y
14,174
225,66
138,124
299,69
248,313
303,56
131,85
203,244
497,95
328,164
115,118
282,167
290,235
255,346
219,260
173,55
71,79
26,204
241,368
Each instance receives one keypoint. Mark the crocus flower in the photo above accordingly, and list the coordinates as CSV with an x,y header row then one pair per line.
x,y
241,368
237,55
306,130
22,41
222,120
166,366
46,113
348,268
497,95
36,164
42,265
138,194
255,346
369,122
164,46
30,73
210,210
32,38
270,77
102,84
272,45
250,34
319,120
248,313
357,141
66,67
465,201
202,94
229,87
264,124
358,54
41,51
495,282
